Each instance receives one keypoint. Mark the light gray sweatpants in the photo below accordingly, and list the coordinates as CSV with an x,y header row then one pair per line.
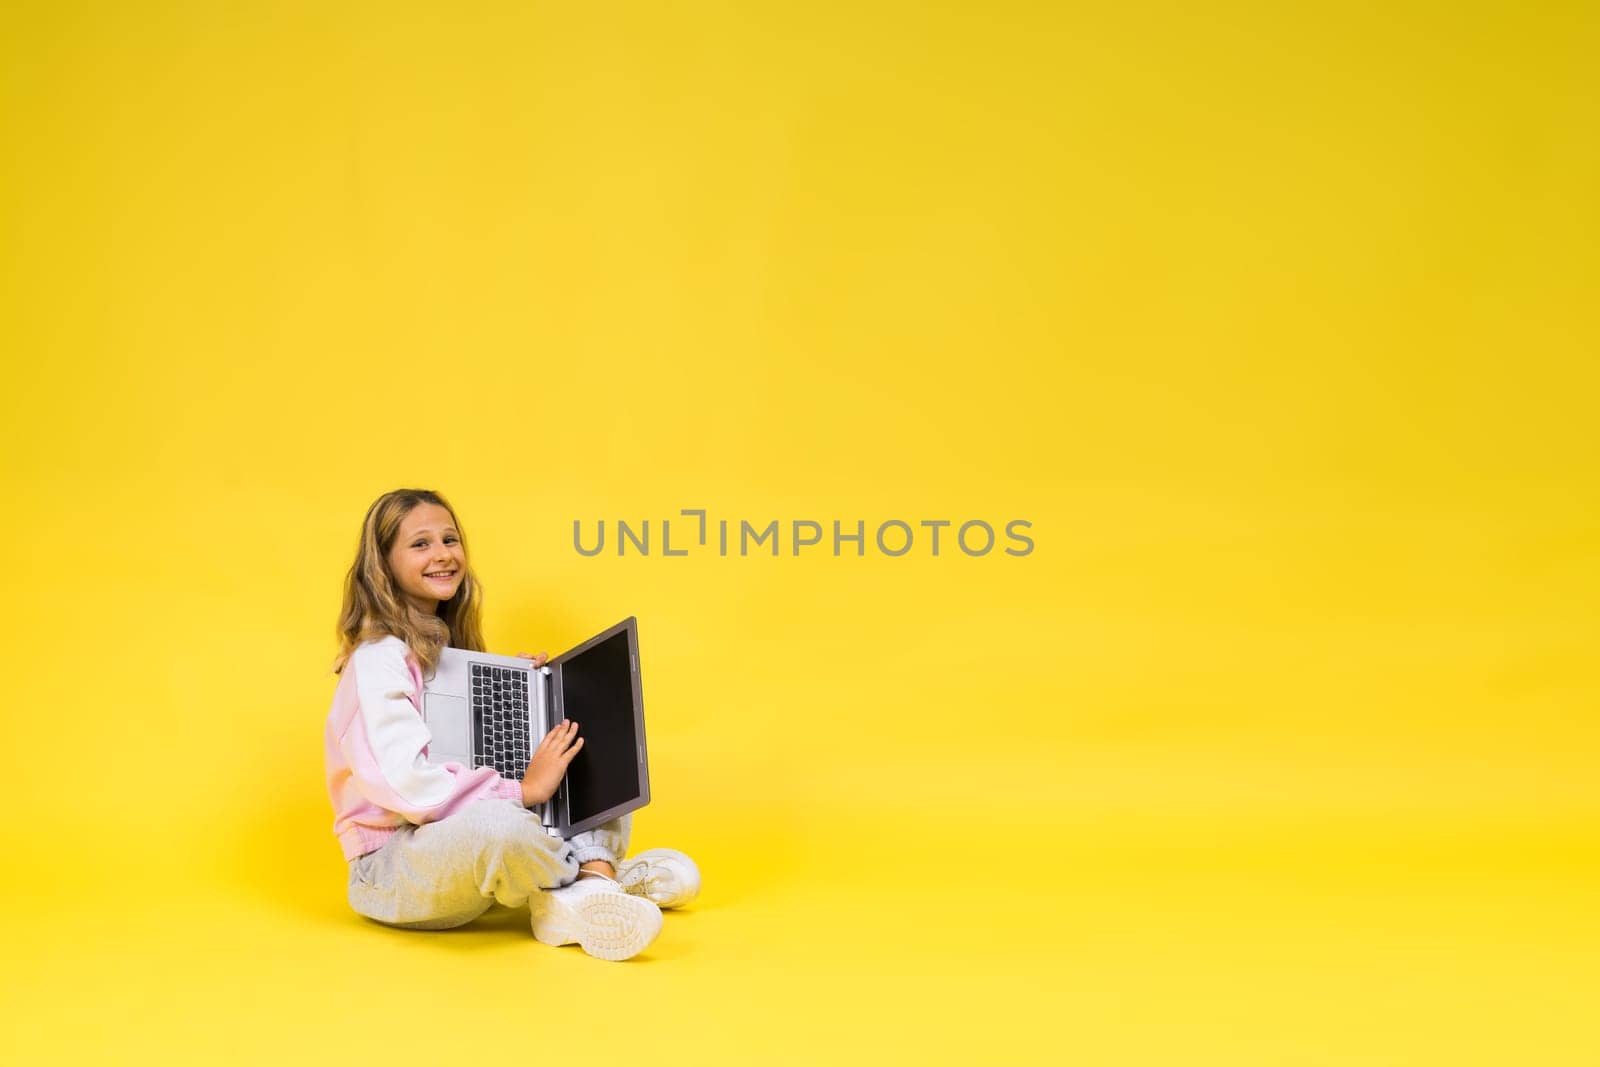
x,y
446,873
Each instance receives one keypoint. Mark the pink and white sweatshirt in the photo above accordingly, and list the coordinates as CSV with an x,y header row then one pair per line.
x,y
377,746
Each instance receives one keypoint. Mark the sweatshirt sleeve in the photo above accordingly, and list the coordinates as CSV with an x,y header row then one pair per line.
x,y
386,741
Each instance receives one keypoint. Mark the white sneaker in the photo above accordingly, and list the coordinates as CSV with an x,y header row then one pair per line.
x,y
606,922
664,876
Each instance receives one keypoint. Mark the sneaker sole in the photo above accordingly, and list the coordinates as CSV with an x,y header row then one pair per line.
x,y
608,926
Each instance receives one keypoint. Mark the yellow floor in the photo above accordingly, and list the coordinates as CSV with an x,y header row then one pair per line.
x,y
1129,940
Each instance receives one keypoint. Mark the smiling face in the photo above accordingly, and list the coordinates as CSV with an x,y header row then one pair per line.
x,y
427,560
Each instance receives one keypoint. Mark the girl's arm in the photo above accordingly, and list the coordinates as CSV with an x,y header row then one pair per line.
x,y
385,743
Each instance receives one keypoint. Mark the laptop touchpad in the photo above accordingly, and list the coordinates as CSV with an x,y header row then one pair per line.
x,y
450,723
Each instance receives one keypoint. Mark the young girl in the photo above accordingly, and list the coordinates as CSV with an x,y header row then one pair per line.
x,y
432,846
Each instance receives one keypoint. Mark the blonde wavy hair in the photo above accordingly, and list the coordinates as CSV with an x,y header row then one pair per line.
x,y
373,607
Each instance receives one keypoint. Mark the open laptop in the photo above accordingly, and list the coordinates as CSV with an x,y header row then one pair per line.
x,y
485,710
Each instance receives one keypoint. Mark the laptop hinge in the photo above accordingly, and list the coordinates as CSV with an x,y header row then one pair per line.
x,y
541,725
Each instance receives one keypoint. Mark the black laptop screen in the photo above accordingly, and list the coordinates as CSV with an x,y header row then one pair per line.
x,y
597,690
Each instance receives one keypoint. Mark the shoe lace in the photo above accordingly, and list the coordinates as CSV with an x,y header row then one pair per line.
x,y
640,874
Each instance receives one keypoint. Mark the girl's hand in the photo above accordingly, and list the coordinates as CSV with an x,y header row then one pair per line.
x,y
549,763
538,661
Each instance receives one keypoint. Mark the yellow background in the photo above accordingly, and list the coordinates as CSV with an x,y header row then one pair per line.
x,y
1276,324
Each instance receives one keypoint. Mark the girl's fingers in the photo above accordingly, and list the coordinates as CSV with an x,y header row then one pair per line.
x,y
559,736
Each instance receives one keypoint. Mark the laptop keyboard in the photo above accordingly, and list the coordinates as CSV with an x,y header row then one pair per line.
x,y
500,719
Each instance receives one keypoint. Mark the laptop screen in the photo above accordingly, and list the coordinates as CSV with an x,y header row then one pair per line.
x,y
597,694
